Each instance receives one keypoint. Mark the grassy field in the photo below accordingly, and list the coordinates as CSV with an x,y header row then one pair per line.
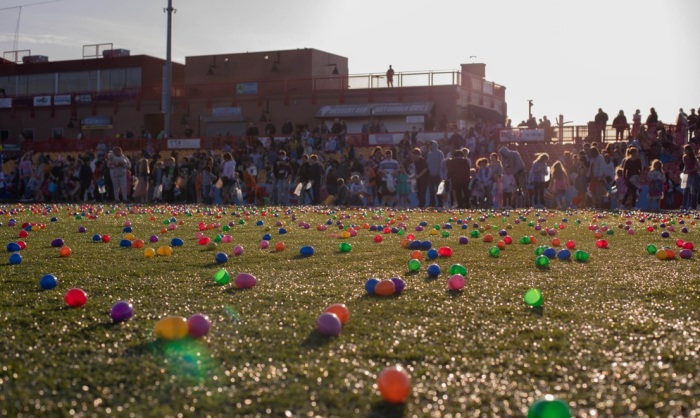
x,y
617,336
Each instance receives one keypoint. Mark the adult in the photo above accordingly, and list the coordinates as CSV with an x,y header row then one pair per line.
x,y
228,177
388,169
601,121
119,165
316,172
390,77
652,122
434,161
25,174
282,170
636,122
458,175
596,177
513,165
540,172
690,169
620,125
422,176
496,177
631,172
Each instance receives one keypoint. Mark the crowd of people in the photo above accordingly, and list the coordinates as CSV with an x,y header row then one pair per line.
x,y
467,169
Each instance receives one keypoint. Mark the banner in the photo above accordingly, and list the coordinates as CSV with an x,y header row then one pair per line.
x,y
189,143
62,100
385,139
40,101
83,98
247,88
6,103
522,135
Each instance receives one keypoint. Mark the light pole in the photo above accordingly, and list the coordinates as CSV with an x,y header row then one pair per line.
x,y
529,110
168,72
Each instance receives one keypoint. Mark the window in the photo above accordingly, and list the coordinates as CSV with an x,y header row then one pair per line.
x,y
41,83
57,133
77,82
4,135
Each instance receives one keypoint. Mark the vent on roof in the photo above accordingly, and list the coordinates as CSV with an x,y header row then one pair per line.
x,y
111,53
33,59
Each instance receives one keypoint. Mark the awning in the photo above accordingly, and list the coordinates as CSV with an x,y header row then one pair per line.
x,y
365,110
478,112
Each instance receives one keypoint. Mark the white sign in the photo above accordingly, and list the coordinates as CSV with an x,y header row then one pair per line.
x,y
522,135
6,103
62,100
415,119
384,139
189,143
40,101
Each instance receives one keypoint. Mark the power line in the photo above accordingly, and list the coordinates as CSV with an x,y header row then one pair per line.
x,y
30,4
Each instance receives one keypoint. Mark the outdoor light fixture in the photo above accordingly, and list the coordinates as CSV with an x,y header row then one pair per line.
x,y
275,63
335,68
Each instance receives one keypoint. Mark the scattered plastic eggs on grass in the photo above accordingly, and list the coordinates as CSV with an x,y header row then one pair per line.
x,y
394,384
48,281
328,324
245,281
75,298
456,282
121,311
198,325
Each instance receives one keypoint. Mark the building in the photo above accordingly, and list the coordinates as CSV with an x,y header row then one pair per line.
x,y
113,96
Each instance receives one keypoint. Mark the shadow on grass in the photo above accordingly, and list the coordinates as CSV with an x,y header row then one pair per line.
x,y
453,293
381,409
315,340
234,289
539,311
411,273
430,279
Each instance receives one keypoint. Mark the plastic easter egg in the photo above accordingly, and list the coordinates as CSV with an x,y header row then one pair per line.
x,y
394,384
198,325
688,246
220,258
385,288
501,245
445,252
345,247
153,239
542,262
416,255
164,251
57,243
105,238
564,255
75,298
549,253
495,252
533,297
65,252
525,240
457,269
23,234
508,240
399,285
456,282
414,265
463,240
426,245
306,251
13,247
204,241
328,324
245,281
176,242
434,270
149,253
121,311
125,243
222,277
601,243
97,238
670,254
130,237
651,249
48,281
555,242
340,310
549,407
581,256
127,229
138,244
238,250
685,254
378,239
539,250
665,234
279,247
264,245
661,254
171,328
570,245
15,259
370,285
432,254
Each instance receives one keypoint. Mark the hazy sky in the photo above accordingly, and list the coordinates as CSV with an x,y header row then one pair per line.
x,y
569,56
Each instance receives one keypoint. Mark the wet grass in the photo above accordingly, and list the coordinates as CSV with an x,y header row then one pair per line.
x,y
617,335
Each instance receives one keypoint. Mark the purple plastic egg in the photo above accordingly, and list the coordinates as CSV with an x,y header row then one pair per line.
x,y
245,281
121,311
328,324
58,242
399,285
685,254
198,325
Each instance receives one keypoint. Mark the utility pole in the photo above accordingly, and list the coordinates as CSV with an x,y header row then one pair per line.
x,y
529,109
168,72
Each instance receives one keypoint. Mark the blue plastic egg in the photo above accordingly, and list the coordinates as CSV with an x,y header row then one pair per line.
x,y
48,281
307,251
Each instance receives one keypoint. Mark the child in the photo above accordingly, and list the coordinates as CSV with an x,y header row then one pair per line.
x,y
621,186
483,177
656,180
581,185
343,193
403,188
560,183
508,184
357,191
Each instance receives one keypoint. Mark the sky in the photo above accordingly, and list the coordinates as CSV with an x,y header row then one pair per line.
x,y
570,57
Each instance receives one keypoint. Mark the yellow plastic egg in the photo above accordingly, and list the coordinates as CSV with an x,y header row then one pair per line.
x,y
149,253
171,328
